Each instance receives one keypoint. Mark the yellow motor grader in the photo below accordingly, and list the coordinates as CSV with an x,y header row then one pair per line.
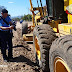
x,y
52,39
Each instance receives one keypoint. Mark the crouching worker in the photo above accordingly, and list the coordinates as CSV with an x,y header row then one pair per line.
x,y
5,35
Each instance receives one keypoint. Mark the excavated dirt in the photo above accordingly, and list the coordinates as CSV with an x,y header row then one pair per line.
x,y
23,54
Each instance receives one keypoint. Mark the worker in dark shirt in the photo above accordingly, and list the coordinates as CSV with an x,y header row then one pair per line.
x,y
5,35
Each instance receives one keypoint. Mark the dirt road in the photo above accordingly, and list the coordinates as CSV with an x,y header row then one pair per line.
x,y
23,53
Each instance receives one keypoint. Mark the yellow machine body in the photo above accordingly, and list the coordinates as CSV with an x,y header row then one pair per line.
x,y
35,21
28,37
58,27
67,3
54,24
66,28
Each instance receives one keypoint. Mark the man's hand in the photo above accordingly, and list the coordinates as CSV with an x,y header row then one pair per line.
x,y
4,28
10,23
11,27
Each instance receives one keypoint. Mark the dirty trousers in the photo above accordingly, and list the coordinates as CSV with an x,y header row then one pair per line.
x,y
6,43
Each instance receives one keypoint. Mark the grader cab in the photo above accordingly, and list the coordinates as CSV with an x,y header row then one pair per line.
x,y
52,39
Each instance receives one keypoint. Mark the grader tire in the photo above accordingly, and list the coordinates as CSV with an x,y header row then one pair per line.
x,y
43,35
24,28
60,56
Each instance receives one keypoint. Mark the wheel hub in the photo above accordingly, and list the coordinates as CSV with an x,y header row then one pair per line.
x,y
60,65
37,48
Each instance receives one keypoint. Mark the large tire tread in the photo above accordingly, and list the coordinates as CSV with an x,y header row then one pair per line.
x,y
45,36
24,28
61,47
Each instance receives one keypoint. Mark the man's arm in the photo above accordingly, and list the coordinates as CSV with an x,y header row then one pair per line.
x,y
6,28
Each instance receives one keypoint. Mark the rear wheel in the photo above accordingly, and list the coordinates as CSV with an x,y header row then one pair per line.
x,y
43,36
60,56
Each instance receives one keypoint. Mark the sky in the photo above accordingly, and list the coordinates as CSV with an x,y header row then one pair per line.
x,y
18,7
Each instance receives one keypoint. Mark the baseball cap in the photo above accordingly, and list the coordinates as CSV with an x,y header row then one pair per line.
x,y
4,11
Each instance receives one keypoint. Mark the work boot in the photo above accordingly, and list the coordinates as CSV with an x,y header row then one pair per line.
x,y
5,59
10,58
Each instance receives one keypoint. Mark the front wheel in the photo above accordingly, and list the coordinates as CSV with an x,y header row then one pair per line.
x,y
60,56
43,36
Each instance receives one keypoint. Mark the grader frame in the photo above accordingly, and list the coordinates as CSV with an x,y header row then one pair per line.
x,y
52,29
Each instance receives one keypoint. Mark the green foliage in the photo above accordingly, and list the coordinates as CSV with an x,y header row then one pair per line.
x,y
27,17
16,19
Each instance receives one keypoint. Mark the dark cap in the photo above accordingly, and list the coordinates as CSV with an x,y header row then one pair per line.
x,y
4,11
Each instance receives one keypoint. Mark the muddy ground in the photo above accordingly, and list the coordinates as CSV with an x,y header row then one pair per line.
x,y
23,54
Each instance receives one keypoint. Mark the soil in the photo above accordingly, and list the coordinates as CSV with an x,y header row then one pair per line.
x,y
23,55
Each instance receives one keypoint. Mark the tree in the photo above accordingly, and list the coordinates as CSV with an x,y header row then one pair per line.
x,y
27,17
16,19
